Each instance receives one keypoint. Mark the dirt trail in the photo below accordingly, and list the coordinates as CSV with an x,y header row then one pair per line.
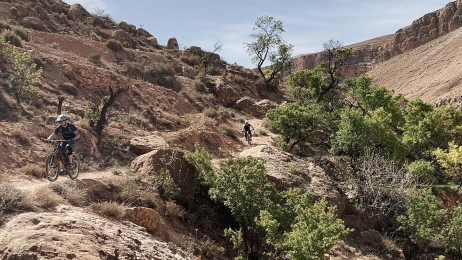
x,y
32,184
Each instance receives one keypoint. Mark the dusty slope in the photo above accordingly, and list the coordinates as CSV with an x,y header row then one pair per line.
x,y
431,72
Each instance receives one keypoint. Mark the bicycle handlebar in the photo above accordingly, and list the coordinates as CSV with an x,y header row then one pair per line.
x,y
57,141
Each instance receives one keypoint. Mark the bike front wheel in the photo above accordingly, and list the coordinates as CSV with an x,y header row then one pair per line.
x,y
52,166
74,172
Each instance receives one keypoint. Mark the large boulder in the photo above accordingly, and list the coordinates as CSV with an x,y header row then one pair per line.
x,y
145,144
147,218
33,23
124,37
77,13
172,162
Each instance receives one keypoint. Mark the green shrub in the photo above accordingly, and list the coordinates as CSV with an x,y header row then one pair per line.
x,y
21,32
423,170
4,26
114,45
12,38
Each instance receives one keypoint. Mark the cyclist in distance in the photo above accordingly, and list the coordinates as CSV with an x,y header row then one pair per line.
x,y
68,132
246,129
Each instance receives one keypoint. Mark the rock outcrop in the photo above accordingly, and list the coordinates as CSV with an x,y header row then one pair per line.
x,y
71,233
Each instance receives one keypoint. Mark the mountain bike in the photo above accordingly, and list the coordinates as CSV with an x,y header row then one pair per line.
x,y
248,137
57,161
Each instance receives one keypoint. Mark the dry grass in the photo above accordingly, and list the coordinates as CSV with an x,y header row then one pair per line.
x,y
12,199
33,170
69,88
20,136
75,196
109,209
173,210
46,199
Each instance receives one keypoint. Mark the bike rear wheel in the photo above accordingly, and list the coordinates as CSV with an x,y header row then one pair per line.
x,y
52,166
74,173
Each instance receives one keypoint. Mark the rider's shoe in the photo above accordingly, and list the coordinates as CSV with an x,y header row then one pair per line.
x,y
72,166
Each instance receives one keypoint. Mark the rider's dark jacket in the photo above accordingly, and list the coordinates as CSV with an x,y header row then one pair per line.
x,y
67,132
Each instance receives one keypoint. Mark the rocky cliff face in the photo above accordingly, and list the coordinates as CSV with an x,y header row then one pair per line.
x,y
368,53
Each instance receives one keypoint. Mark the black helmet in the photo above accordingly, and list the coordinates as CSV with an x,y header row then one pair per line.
x,y
61,118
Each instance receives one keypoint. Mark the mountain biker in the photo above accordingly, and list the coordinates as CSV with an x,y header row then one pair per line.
x,y
246,129
68,132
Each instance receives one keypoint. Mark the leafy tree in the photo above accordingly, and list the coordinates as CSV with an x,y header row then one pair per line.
x,y
357,132
299,228
241,187
24,70
452,232
268,45
315,231
361,94
424,170
451,161
332,60
296,123
423,218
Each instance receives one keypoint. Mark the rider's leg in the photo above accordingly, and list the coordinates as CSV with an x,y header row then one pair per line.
x,y
69,152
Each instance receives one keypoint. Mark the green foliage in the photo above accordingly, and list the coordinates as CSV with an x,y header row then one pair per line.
x,y
12,38
296,122
315,231
450,160
452,232
269,45
93,112
357,132
24,72
202,161
167,185
423,218
423,170
241,188
21,32
306,85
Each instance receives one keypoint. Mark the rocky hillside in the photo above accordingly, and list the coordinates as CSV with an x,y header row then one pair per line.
x,y
116,210
424,58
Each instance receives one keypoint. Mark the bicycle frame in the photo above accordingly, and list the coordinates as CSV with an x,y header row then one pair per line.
x,y
58,161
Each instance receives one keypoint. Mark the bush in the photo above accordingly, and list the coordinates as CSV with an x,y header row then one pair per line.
x,y
46,199
12,38
423,170
4,26
75,196
114,45
21,32
109,209
96,59
68,88
12,198
33,170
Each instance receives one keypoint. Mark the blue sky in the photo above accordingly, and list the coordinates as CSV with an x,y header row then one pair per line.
x,y
307,23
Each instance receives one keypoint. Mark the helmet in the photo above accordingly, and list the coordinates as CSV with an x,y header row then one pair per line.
x,y
246,122
61,118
